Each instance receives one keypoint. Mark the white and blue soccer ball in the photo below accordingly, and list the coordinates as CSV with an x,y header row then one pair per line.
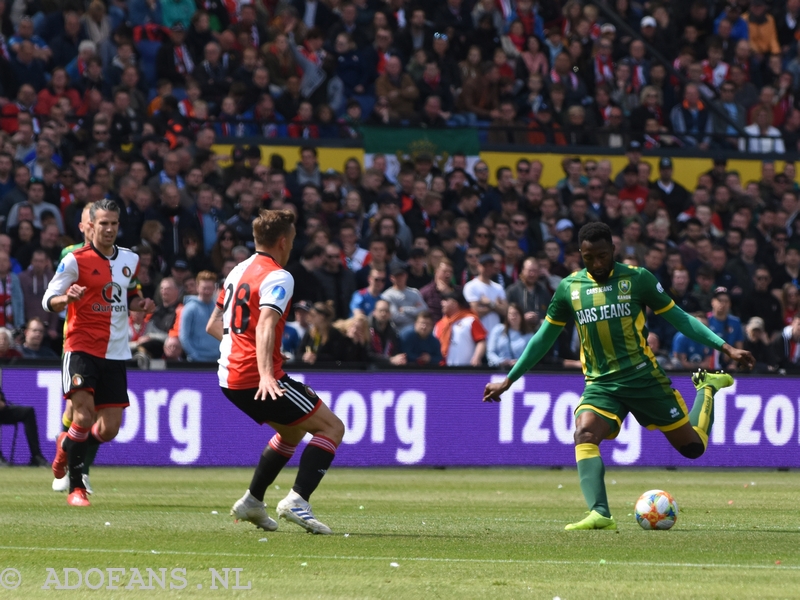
x,y
656,509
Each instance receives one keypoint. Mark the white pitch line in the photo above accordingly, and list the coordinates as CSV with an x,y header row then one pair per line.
x,y
410,559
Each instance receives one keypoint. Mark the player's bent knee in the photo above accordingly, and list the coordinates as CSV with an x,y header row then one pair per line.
x,y
334,429
693,450
586,436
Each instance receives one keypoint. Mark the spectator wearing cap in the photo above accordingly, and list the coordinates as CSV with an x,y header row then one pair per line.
x,y
174,60
632,190
674,196
486,298
460,333
295,329
761,28
404,302
786,347
733,13
725,325
757,342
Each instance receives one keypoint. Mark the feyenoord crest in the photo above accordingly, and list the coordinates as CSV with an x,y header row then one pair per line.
x,y
624,286
311,393
126,271
77,381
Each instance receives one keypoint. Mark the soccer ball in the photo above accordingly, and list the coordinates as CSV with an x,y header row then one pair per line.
x,y
656,509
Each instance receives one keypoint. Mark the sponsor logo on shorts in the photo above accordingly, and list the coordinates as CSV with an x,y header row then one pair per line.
x,y
674,412
77,381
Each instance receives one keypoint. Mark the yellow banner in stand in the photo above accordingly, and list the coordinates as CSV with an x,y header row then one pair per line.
x,y
686,170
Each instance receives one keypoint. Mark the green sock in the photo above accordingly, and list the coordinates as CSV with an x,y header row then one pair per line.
x,y
91,453
591,472
702,414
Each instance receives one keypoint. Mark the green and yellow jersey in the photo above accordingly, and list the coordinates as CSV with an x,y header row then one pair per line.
x,y
69,250
610,318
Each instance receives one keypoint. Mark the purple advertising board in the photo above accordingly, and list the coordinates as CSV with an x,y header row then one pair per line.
x,y
407,418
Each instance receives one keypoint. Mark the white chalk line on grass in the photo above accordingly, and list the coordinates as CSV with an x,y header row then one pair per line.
x,y
412,559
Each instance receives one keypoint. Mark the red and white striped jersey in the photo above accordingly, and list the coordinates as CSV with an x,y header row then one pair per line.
x,y
97,324
258,282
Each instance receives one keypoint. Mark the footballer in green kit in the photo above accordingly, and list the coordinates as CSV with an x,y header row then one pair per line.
x,y
607,301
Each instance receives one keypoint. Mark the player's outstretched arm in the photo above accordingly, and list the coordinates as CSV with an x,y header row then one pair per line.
x,y
695,330
214,326
533,353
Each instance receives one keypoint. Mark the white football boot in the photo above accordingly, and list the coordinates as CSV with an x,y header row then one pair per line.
x,y
61,485
293,508
250,509
86,484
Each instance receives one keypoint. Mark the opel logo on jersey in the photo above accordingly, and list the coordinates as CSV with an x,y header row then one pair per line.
x,y
126,271
112,293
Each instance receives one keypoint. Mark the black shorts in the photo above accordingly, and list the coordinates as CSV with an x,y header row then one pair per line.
x,y
297,403
105,379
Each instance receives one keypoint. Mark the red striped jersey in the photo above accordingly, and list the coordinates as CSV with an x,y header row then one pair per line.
x,y
258,282
97,324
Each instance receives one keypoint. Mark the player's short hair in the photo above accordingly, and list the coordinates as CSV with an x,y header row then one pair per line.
x,y
206,276
104,204
424,314
595,232
272,225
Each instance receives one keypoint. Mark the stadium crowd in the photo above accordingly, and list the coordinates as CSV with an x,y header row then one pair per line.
x,y
538,72
433,266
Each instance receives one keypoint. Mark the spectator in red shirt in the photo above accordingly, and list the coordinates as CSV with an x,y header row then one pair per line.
x,y
632,190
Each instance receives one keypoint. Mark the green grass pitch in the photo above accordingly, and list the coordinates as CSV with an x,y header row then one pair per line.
x,y
462,533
